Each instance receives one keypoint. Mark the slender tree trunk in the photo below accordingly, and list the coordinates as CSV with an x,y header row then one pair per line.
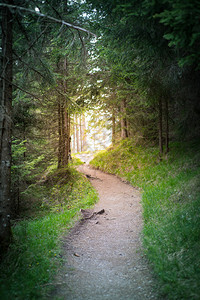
x,y
69,136
24,138
59,135
63,132
65,117
81,134
5,128
63,123
74,135
160,127
66,137
84,134
124,131
128,128
167,126
113,127
77,135
63,143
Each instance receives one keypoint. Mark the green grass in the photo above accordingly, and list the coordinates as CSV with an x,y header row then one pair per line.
x,y
35,254
171,209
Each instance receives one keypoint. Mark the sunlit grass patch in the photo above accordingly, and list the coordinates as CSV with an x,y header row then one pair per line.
x,y
171,209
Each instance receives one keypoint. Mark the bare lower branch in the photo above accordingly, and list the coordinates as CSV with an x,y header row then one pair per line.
x,y
21,89
36,97
27,64
83,44
34,42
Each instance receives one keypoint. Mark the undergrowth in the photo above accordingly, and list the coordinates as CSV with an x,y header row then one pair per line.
x,y
35,254
171,209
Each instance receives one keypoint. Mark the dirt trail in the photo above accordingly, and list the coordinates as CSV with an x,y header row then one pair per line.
x,y
102,254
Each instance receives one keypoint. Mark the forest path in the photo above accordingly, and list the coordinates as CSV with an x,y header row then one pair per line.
x,y
102,254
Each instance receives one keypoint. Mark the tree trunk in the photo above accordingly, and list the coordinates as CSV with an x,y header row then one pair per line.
x,y
124,131
81,134
113,127
63,132
77,135
160,127
167,126
67,136
84,134
74,134
5,128
59,136
63,122
128,128
65,117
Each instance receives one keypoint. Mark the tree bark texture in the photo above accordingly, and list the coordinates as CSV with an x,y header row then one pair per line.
x,y
77,134
5,128
84,133
63,133
113,127
81,134
67,136
65,117
167,126
124,130
63,121
74,134
59,136
160,126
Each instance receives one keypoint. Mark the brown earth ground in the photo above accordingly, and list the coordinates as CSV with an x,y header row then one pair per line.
x,y
102,253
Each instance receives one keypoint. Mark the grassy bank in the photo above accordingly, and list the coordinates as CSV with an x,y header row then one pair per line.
x,y
35,254
171,209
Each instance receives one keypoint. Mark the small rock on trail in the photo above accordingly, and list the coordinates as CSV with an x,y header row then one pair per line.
x,y
103,260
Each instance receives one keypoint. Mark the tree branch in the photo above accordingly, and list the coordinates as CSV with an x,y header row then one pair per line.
x,y
27,64
83,44
36,97
21,89
32,44
47,17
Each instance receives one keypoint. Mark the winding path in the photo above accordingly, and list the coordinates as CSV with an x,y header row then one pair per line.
x,y
102,253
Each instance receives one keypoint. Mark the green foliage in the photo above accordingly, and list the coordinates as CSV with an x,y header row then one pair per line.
x,y
171,201
182,29
151,48
76,161
35,253
21,166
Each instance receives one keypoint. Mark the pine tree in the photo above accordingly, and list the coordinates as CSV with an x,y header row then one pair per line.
x,y
5,126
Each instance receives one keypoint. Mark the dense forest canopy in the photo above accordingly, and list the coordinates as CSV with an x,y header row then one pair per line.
x,y
138,61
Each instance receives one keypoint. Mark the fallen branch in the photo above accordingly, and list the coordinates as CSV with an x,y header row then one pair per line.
x,y
86,213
